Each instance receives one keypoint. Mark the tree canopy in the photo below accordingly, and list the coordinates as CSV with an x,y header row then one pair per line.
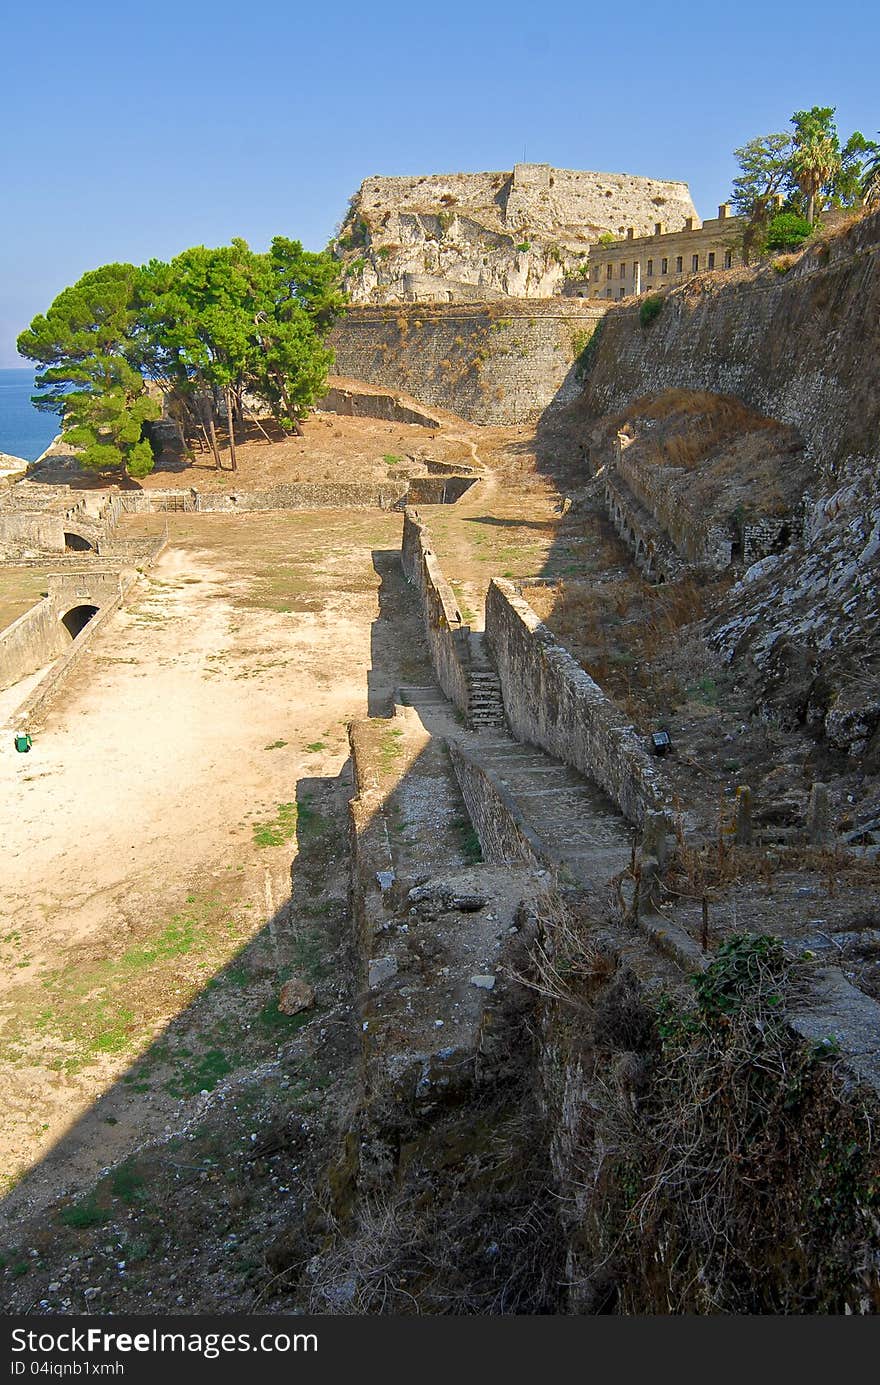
x,y
211,327
805,166
81,345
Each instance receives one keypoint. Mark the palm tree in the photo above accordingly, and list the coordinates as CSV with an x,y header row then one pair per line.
x,y
815,160
871,176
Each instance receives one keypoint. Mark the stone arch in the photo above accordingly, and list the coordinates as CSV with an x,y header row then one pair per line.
x,y
77,543
77,618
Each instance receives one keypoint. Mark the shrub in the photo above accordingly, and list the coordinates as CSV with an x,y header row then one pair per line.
x,y
650,309
523,247
586,349
607,238
787,231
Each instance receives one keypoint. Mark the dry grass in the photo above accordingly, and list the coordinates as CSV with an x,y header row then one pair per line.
x,y
618,628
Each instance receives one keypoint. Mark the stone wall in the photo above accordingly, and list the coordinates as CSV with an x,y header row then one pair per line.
x,y
799,346
491,364
39,636
33,709
534,195
551,702
26,534
695,538
652,551
372,404
305,495
503,833
446,633
37,518
31,642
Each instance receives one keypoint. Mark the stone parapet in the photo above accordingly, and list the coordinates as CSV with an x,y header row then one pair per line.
x,y
551,702
446,632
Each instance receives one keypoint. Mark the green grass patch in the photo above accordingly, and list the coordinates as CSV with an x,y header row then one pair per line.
x,y
88,1010
272,1023
280,829
128,1184
202,1074
85,1214
468,840
275,745
390,749
706,690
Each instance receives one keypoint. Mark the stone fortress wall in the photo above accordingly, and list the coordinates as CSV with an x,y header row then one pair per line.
x,y
799,347
41,634
491,364
479,236
536,196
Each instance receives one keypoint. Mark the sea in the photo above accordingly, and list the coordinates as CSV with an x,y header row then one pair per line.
x,y
23,431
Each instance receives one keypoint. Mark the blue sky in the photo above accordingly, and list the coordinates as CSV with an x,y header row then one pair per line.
x,y
134,133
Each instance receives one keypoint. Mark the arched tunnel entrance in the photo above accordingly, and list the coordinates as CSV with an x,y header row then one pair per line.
x,y
77,619
77,544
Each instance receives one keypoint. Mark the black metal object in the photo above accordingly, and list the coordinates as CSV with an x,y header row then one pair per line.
x,y
660,742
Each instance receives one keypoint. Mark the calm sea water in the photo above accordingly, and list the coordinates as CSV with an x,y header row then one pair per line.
x,y
23,431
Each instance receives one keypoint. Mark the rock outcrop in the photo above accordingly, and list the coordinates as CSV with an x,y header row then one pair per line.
x,y
465,236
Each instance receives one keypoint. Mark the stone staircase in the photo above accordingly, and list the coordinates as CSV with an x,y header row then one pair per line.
x,y
572,816
578,825
485,703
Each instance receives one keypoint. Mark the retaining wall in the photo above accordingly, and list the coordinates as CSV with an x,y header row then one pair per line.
x,y
31,712
551,702
364,404
799,346
489,363
446,633
42,636
305,495
31,642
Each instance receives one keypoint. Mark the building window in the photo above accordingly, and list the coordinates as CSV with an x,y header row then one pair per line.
x,y
664,266
711,260
695,263
678,264
608,271
622,293
608,293
728,259
650,269
596,272
622,269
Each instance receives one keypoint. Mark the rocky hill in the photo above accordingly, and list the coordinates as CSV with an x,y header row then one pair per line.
x,y
460,236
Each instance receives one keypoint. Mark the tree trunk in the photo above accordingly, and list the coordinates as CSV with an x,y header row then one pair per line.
x,y
214,444
291,413
231,426
259,424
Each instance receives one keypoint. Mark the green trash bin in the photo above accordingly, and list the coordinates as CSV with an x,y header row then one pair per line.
x,y
23,742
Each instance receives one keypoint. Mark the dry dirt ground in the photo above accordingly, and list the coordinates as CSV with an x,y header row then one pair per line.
x,y
332,448
148,834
